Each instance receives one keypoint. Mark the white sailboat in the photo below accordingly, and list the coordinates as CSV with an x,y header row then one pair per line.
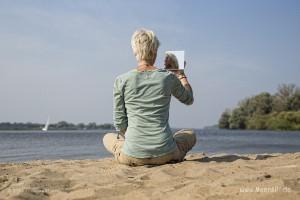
x,y
46,125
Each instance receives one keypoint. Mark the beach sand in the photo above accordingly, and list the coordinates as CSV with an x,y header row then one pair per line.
x,y
272,176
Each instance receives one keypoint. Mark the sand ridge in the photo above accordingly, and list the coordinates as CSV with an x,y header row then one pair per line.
x,y
272,176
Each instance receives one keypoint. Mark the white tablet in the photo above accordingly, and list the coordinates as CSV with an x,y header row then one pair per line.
x,y
175,59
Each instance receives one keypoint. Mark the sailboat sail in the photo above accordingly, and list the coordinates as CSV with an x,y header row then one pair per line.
x,y
46,125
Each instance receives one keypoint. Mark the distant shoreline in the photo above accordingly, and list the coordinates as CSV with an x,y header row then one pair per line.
x,y
58,130
59,126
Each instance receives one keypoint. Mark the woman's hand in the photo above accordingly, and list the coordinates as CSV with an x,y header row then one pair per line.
x,y
179,72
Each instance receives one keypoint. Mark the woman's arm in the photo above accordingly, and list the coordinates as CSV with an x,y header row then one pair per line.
x,y
181,89
184,81
119,113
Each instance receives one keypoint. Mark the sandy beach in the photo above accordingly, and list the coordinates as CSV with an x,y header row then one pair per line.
x,y
268,176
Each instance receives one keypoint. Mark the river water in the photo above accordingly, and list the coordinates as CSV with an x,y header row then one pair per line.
x,y
18,146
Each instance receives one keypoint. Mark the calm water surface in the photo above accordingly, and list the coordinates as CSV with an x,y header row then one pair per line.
x,y
18,146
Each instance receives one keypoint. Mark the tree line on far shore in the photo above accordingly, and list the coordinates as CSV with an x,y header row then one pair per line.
x,y
280,111
62,125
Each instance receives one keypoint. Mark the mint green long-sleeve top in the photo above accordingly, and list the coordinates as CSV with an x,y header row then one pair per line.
x,y
141,105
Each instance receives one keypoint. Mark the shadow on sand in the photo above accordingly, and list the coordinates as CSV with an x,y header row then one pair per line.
x,y
229,158
221,158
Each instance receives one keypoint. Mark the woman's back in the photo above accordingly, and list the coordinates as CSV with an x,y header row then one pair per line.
x,y
142,101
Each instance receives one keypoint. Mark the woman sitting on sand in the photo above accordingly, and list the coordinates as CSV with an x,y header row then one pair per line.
x,y
141,109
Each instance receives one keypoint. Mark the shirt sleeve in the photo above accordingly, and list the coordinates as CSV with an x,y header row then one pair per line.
x,y
119,113
180,92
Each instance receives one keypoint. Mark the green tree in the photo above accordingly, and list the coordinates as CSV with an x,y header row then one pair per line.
x,y
81,126
237,119
263,103
282,98
258,122
280,111
61,125
294,102
224,119
91,126
260,104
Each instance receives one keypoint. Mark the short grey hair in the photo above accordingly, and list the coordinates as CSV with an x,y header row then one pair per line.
x,y
144,44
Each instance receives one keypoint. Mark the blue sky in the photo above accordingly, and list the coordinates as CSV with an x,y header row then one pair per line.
x,y
60,58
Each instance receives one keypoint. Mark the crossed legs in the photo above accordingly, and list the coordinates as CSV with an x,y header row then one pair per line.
x,y
185,140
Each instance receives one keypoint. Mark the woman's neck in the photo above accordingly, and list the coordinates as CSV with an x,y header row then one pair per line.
x,y
144,65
